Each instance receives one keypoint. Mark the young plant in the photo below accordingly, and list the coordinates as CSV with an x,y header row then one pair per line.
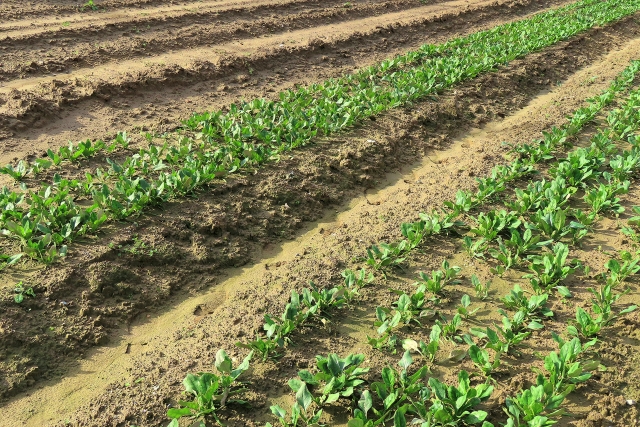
x,y
387,255
450,329
482,289
550,223
427,350
564,368
386,324
585,325
463,308
493,223
617,272
549,269
505,256
336,378
395,391
475,249
482,361
20,292
353,282
463,203
604,198
299,416
19,172
455,405
440,278
211,392
504,345
528,406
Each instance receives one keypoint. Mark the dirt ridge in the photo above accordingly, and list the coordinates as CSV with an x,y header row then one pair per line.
x,y
148,36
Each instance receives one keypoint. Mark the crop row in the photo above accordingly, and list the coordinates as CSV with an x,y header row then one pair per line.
x,y
44,221
401,393
539,404
372,76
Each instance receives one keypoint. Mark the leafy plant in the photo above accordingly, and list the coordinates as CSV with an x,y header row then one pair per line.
x,y
532,308
482,289
527,407
482,361
450,329
551,223
211,392
491,224
18,173
298,414
20,292
439,278
463,203
340,378
504,345
387,255
395,391
463,308
604,198
475,249
549,269
452,405
617,272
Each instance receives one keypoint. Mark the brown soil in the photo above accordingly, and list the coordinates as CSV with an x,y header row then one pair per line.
x,y
115,327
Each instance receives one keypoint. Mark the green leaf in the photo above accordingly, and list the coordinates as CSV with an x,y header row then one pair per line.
x,y
176,413
406,360
223,362
303,397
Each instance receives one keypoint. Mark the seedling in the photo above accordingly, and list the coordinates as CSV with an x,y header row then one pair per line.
x,y
453,405
20,292
494,223
463,203
482,361
439,278
550,269
211,392
475,249
482,289
336,378
18,173
504,345
394,391
450,329
463,308
387,255
299,414
618,273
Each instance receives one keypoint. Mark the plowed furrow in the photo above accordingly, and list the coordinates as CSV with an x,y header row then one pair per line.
x,y
15,10
66,49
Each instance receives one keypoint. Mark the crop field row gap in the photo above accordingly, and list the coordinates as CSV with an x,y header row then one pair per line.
x,y
564,371
258,131
95,46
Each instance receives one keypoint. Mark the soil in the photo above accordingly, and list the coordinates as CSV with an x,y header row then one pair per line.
x,y
115,327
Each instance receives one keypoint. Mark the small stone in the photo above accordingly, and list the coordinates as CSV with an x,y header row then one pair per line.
x,y
631,402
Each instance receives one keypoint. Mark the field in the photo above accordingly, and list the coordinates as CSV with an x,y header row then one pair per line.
x,y
320,213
